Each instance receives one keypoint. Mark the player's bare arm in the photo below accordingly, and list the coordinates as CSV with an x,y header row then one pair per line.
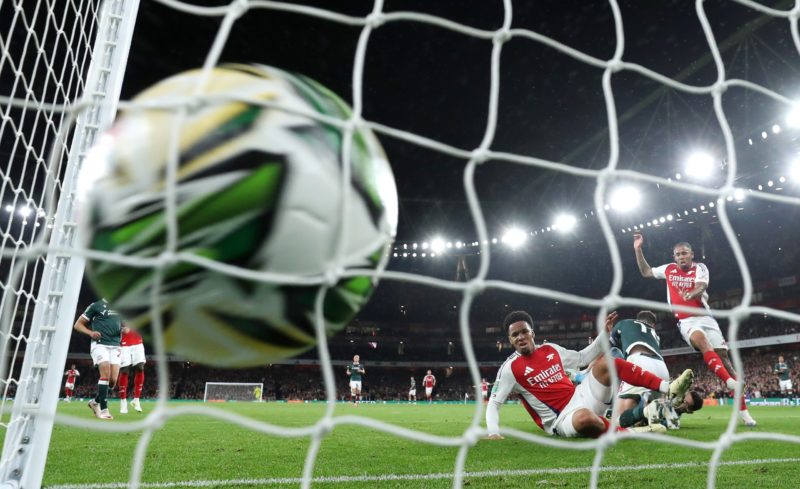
x,y
644,267
699,289
82,326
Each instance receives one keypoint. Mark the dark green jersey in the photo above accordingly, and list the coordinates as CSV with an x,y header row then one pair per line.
x,y
782,370
629,333
106,321
356,369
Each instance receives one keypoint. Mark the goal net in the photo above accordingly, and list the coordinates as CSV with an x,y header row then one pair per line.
x,y
51,109
233,391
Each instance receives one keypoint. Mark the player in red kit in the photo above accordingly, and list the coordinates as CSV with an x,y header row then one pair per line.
x,y
429,381
538,375
132,358
69,386
687,282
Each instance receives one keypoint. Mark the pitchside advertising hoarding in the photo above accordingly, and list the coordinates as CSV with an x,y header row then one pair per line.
x,y
757,401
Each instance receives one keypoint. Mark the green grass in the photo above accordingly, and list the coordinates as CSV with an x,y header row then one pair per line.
x,y
199,448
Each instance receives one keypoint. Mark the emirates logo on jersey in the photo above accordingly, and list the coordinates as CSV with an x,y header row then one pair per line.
x,y
528,370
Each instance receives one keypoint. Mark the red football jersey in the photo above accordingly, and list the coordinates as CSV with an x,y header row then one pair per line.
x,y
132,337
429,380
541,381
680,282
71,374
484,386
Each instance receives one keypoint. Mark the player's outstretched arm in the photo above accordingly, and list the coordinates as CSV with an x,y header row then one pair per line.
x,y
644,267
504,384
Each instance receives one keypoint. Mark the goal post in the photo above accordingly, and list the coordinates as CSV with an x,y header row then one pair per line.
x,y
233,391
42,340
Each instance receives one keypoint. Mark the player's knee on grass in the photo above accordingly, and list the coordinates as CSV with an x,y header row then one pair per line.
x,y
588,424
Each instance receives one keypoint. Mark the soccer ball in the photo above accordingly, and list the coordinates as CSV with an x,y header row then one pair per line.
x,y
257,189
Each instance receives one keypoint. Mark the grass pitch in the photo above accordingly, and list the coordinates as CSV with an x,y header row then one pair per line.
x,y
198,451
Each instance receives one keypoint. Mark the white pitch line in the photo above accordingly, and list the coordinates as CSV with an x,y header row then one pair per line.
x,y
415,477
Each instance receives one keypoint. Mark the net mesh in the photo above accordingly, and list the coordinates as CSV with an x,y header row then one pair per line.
x,y
473,158
45,51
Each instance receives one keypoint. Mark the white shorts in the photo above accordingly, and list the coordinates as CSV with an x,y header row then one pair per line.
x,y
428,391
412,392
785,385
708,326
72,386
590,394
485,394
132,355
355,384
653,365
105,353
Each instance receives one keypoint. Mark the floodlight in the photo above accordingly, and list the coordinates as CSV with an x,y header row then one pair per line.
x,y
794,171
514,237
699,165
776,129
739,194
565,223
25,211
9,208
437,245
793,117
624,199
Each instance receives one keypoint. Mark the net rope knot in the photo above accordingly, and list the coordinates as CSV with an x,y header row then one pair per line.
x,y
375,20
502,36
479,155
615,65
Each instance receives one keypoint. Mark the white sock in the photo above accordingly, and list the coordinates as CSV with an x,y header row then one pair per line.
x,y
664,387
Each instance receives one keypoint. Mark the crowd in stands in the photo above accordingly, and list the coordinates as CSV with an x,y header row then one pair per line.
x,y
304,382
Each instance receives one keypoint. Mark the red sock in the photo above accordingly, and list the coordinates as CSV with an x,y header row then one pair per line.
x,y
715,364
606,422
634,375
122,382
742,404
68,392
138,382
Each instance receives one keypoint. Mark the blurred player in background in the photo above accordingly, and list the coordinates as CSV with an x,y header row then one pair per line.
x,y
105,327
69,386
537,374
429,381
485,390
687,282
257,394
133,357
412,391
784,377
355,370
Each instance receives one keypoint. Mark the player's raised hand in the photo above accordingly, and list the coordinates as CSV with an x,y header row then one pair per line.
x,y
611,320
638,239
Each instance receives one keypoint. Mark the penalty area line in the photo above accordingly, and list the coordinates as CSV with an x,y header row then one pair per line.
x,y
416,477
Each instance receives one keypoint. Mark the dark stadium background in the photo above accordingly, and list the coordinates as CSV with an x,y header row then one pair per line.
x,y
435,83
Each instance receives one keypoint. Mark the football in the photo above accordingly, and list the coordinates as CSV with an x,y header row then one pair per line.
x,y
256,188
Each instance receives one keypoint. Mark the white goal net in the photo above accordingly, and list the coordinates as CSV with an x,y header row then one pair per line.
x,y
233,391
40,83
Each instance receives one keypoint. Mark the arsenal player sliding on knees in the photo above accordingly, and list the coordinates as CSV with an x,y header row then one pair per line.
x,y
537,374
687,282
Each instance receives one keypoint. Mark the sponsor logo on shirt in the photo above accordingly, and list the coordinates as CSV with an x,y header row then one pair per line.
x,y
546,377
527,370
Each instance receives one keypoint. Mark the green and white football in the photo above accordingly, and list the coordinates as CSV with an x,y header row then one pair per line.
x,y
256,188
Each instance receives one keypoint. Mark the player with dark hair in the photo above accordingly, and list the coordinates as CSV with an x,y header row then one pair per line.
x,y
687,282
105,327
538,375
784,379
639,344
69,386
429,382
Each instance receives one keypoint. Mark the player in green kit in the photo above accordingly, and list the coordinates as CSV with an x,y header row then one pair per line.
x,y
105,327
639,344
784,379
355,370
